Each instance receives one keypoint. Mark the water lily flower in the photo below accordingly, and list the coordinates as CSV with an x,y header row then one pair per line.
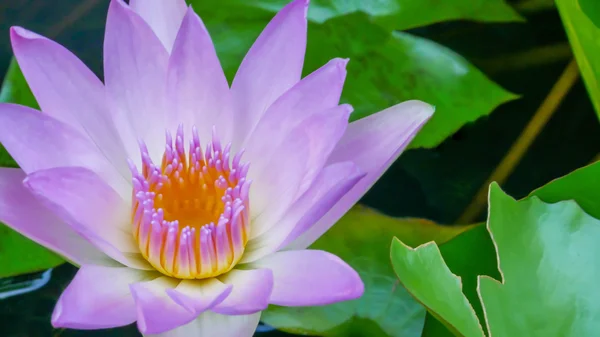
x,y
188,203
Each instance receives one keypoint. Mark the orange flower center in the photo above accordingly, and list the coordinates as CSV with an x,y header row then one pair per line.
x,y
190,215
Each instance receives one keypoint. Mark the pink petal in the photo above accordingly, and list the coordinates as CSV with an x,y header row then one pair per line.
x,y
164,16
324,129
197,87
135,72
157,312
311,277
22,212
272,66
328,188
37,142
250,294
318,91
68,91
373,143
309,146
81,199
198,296
210,324
98,298
288,161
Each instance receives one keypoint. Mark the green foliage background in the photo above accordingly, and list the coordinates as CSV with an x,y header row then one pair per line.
x,y
486,65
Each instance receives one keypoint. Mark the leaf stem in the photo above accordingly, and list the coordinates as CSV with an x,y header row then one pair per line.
x,y
535,57
526,138
78,11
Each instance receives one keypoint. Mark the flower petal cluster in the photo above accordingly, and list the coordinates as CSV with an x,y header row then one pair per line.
x,y
189,203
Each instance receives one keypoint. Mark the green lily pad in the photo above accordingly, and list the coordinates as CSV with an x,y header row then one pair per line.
x,y
386,309
548,257
581,185
591,8
402,14
18,254
417,13
14,90
410,67
584,36
385,68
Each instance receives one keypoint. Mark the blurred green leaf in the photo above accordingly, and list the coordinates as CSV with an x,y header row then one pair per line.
x,y
548,257
14,90
582,185
384,69
19,255
434,328
403,14
410,67
591,8
423,272
528,6
5,159
361,238
322,10
417,13
584,36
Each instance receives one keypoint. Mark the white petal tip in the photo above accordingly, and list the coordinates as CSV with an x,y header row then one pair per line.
x,y
418,108
348,109
17,32
55,320
341,64
303,3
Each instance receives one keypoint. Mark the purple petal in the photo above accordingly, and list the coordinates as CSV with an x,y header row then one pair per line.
x,y
311,277
68,91
324,129
271,67
156,311
37,142
98,298
250,294
373,143
198,296
288,160
316,92
197,87
310,144
332,184
210,324
23,213
81,199
164,16
135,70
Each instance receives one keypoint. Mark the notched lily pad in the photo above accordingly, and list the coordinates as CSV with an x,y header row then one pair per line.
x,y
548,258
547,280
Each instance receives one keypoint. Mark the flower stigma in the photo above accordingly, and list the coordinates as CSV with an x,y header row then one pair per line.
x,y
190,215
